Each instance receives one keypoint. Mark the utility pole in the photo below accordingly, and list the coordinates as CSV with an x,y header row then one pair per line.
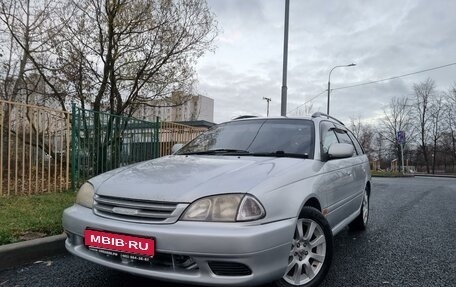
x,y
283,107
267,109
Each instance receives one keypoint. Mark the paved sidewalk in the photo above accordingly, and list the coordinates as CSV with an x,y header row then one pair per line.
x,y
15,254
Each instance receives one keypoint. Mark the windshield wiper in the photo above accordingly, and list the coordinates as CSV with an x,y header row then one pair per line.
x,y
226,151
220,151
280,153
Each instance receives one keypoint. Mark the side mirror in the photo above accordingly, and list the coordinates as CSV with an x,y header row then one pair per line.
x,y
176,148
340,150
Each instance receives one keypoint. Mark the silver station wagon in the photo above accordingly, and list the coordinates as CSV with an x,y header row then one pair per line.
x,y
250,201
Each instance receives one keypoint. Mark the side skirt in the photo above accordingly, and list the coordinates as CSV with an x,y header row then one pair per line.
x,y
345,222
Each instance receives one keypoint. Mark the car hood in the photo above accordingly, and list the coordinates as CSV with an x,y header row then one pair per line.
x,y
187,178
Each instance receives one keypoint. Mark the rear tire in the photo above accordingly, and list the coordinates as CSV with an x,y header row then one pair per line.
x,y
311,251
360,222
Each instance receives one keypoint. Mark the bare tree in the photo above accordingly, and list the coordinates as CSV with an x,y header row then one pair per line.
x,y
110,55
364,133
21,80
116,55
450,119
436,114
25,30
424,94
119,55
13,58
397,118
113,55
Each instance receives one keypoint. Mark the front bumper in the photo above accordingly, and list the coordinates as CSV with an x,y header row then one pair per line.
x,y
210,247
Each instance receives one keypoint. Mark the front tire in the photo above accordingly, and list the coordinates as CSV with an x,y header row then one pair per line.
x,y
311,251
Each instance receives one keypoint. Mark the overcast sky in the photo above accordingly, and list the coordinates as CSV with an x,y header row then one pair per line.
x,y
384,38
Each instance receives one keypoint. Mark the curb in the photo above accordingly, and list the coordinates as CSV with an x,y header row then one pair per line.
x,y
19,253
416,175
392,176
436,175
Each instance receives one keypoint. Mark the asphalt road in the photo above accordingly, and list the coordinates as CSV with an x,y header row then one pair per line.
x,y
411,241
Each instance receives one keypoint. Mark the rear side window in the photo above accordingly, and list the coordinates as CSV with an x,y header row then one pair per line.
x,y
358,147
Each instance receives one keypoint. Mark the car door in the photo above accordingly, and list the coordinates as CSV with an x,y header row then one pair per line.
x,y
337,176
354,166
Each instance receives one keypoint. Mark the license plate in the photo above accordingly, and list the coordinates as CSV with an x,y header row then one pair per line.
x,y
108,242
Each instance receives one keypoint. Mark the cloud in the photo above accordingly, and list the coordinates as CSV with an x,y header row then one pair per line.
x,y
385,38
236,94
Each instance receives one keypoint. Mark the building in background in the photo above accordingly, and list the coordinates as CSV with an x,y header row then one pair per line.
x,y
178,108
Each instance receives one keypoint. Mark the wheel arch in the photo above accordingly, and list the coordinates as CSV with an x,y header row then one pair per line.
x,y
311,202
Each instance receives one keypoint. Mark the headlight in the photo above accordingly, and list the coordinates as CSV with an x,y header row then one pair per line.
x,y
225,208
85,195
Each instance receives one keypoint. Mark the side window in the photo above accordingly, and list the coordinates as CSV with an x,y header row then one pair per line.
x,y
328,137
344,138
358,147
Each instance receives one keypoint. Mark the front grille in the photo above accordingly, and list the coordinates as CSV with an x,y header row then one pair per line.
x,y
142,211
229,268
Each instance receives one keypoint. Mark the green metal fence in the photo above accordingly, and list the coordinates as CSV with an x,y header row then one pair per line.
x,y
101,142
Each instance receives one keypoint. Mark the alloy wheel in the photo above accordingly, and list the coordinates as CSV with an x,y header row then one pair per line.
x,y
307,254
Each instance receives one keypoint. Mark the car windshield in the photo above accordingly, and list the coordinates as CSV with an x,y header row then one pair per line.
x,y
261,137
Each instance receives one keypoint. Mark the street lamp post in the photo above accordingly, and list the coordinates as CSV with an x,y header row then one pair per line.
x,y
267,109
329,82
283,107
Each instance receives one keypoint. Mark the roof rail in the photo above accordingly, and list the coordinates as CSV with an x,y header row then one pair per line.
x,y
320,114
244,117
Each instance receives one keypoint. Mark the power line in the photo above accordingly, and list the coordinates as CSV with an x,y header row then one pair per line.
x,y
309,100
374,82
395,77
